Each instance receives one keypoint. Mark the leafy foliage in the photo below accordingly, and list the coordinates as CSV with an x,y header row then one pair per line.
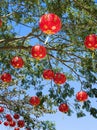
x,y
66,53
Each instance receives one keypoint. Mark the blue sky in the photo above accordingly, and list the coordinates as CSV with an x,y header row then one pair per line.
x,y
62,121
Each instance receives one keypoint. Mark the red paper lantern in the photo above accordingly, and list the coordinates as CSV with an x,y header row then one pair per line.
x,y
17,62
8,117
0,23
17,128
91,41
38,51
59,78
1,109
16,116
35,101
50,23
6,123
63,107
48,74
21,123
6,77
12,123
0,122
82,96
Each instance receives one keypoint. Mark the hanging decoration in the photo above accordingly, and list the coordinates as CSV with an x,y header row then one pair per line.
x,y
50,23
12,123
8,117
91,41
35,101
38,52
59,78
1,109
82,96
48,74
6,77
6,123
16,116
21,123
64,107
17,62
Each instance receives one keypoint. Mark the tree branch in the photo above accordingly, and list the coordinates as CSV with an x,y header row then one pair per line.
x,y
15,48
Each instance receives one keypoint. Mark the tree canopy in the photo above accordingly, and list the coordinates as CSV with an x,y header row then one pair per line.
x,y
66,54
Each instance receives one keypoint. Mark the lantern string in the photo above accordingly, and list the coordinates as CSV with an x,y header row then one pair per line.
x,y
81,107
81,87
46,39
93,54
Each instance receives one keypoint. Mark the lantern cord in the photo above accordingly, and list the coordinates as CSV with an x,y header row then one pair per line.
x,y
81,105
46,39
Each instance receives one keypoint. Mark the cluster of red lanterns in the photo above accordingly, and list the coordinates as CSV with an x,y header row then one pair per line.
x,y
15,123
37,51
81,96
12,121
16,62
58,78
49,24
